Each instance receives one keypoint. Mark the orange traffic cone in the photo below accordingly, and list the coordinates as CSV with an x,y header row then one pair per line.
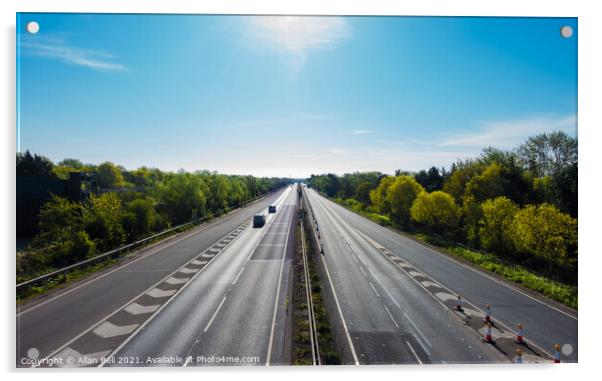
x,y
519,334
488,338
557,354
519,356
487,314
459,303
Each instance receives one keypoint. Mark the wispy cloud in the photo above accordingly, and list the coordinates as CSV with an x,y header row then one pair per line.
x,y
511,133
363,132
58,49
296,35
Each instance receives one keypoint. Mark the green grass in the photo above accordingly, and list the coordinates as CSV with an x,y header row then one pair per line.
x,y
560,292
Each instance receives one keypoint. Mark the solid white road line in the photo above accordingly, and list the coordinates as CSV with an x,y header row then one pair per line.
x,y
238,276
336,300
414,352
288,230
363,271
374,289
422,335
215,314
391,316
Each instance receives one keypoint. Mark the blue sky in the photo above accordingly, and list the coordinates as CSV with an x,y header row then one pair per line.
x,y
289,96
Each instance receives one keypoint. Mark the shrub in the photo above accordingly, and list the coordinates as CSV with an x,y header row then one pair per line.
x,y
496,225
436,210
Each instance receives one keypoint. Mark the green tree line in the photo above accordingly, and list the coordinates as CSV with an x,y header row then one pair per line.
x,y
520,205
128,206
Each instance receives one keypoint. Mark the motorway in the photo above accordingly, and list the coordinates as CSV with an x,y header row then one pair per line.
x,y
236,312
219,295
49,324
383,307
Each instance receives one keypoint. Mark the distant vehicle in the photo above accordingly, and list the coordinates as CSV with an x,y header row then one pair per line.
x,y
258,220
272,209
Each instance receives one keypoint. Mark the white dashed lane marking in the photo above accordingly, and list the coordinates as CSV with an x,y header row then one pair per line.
x,y
214,314
391,316
374,289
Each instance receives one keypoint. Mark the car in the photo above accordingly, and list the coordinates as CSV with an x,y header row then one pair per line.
x,y
258,220
272,209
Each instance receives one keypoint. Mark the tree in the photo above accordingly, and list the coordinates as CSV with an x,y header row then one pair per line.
x,y
401,195
471,215
139,218
71,163
57,215
488,184
362,192
109,176
378,196
548,153
180,194
61,240
218,192
431,180
102,217
500,179
437,211
496,225
238,194
140,177
34,165
566,189
461,173
546,232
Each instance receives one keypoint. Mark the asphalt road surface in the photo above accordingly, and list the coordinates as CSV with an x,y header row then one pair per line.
x,y
383,307
47,325
236,312
217,295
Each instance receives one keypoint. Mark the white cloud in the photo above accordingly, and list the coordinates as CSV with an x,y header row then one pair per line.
x,y
509,134
296,35
55,48
363,132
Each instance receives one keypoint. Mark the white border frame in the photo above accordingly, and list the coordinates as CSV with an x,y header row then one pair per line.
x,y
590,30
